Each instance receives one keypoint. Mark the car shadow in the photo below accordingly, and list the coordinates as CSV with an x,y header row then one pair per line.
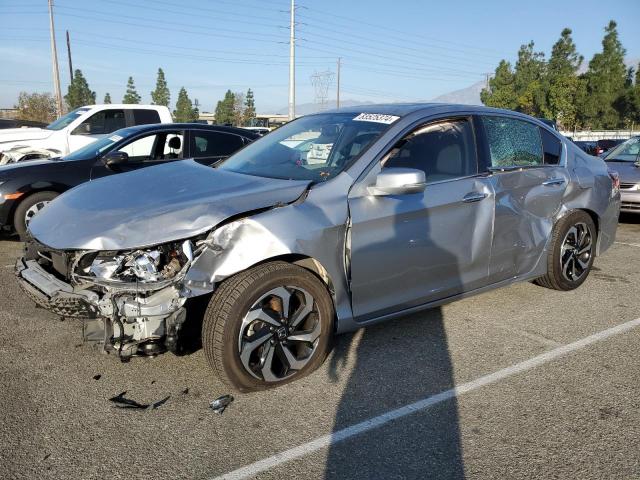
x,y
396,363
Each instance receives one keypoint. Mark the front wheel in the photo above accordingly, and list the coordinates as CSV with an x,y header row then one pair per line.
x,y
572,252
267,326
28,208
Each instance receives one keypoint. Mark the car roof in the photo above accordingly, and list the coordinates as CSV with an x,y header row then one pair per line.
x,y
404,109
159,127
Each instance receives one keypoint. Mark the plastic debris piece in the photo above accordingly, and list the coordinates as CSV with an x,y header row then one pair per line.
x,y
185,391
221,403
97,377
122,402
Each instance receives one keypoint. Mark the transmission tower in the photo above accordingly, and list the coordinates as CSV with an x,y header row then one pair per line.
x,y
321,82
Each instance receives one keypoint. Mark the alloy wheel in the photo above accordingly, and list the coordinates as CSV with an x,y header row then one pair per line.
x,y
279,334
576,251
31,211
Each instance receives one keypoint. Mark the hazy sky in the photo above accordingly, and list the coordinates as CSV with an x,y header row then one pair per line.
x,y
392,51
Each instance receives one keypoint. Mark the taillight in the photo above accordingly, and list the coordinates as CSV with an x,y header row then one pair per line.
x,y
615,181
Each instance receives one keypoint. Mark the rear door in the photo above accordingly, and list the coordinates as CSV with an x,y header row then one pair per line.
x,y
210,147
410,249
529,180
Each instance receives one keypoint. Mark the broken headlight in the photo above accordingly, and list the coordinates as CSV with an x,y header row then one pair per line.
x,y
155,264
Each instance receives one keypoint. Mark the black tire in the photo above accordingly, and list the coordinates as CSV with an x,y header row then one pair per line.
x,y
232,301
19,217
555,278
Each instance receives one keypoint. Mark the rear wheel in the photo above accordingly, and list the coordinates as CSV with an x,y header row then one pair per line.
x,y
572,252
268,326
28,208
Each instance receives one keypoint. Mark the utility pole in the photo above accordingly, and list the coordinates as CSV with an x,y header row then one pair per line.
x,y
292,63
54,59
69,55
338,81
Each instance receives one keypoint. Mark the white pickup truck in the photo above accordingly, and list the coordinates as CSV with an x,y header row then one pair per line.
x,y
75,130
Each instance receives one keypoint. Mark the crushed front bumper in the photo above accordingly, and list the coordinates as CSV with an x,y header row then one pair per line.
x,y
53,294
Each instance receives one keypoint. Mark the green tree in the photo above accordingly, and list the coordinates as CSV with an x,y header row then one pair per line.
x,y
225,109
131,95
249,109
40,107
562,84
79,93
606,83
528,80
107,98
185,111
161,95
501,92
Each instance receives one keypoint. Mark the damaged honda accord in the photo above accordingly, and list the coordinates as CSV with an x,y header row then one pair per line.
x,y
334,221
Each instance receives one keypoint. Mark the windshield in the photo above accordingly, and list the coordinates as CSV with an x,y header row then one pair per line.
x,y
628,151
99,147
65,120
317,147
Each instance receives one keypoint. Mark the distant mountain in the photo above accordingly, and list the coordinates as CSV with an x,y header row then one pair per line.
x,y
466,96
307,108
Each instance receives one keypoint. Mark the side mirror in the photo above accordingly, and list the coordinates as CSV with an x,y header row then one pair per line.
x,y
399,181
115,158
82,129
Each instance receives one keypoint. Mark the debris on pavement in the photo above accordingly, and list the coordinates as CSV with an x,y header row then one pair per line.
x,y
97,377
185,391
122,402
221,403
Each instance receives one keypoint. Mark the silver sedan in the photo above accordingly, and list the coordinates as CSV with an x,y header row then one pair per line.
x,y
333,222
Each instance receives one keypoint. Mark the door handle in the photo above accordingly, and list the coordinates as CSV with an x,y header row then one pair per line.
x,y
474,197
554,181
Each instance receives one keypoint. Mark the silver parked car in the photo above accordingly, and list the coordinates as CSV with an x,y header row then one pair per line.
x,y
625,160
335,221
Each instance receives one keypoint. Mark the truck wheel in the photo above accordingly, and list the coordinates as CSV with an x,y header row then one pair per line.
x,y
267,326
572,252
28,208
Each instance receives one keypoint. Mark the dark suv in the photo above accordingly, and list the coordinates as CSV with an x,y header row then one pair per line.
x,y
25,188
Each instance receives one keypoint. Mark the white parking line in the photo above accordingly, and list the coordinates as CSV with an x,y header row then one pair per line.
x,y
380,420
629,244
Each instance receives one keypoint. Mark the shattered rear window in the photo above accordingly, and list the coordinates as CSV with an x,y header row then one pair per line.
x,y
513,142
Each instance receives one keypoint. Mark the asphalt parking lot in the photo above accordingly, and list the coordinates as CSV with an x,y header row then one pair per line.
x,y
573,414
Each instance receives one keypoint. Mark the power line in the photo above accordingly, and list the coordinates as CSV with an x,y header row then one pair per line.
x,y
386,29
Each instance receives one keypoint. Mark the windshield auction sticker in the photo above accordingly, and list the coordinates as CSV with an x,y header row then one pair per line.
x,y
376,117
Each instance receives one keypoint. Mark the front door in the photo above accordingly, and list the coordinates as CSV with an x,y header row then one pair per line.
x,y
411,249
145,151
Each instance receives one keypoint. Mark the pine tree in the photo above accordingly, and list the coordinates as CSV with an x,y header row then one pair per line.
x,y
249,109
528,79
224,109
107,98
606,79
562,84
501,92
161,95
184,112
79,93
131,95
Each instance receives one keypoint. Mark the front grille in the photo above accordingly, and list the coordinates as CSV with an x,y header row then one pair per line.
x,y
630,206
629,186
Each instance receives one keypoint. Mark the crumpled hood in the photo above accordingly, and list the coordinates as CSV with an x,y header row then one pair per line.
x,y
628,172
22,134
154,205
